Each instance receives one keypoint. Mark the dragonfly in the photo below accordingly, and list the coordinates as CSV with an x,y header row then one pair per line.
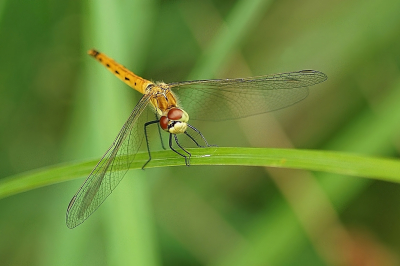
x,y
172,103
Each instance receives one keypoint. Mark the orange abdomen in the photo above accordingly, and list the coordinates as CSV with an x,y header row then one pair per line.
x,y
134,81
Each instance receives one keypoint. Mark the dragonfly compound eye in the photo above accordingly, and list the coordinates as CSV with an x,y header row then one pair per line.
x,y
177,114
164,123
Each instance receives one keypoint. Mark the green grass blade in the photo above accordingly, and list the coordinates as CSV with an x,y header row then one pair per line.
x,y
313,160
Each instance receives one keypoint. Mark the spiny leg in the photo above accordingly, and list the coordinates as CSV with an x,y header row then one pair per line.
x,y
147,140
159,132
198,145
187,159
201,135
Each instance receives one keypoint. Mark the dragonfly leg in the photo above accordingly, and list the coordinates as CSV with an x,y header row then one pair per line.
x,y
201,135
198,145
147,140
159,132
187,158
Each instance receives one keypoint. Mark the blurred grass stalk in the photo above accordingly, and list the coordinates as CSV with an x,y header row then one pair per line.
x,y
103,105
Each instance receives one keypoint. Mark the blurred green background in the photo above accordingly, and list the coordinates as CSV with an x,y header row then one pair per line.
x,y
60,105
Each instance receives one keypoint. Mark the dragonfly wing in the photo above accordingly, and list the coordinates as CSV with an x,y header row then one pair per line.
x,y
223,99
110,169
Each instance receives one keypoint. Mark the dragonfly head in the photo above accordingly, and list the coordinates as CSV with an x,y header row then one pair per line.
x,y
175,121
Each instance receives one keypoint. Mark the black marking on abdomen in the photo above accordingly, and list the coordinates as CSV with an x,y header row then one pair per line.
x,y
116,72
108,65
127,79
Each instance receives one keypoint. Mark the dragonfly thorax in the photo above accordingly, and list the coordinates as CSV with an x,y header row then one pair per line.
x,y
162,99
175,121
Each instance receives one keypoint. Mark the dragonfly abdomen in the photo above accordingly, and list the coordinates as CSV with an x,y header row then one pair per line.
x,y
134,81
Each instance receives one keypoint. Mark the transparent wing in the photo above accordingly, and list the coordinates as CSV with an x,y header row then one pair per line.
x,y
222,99
110,170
